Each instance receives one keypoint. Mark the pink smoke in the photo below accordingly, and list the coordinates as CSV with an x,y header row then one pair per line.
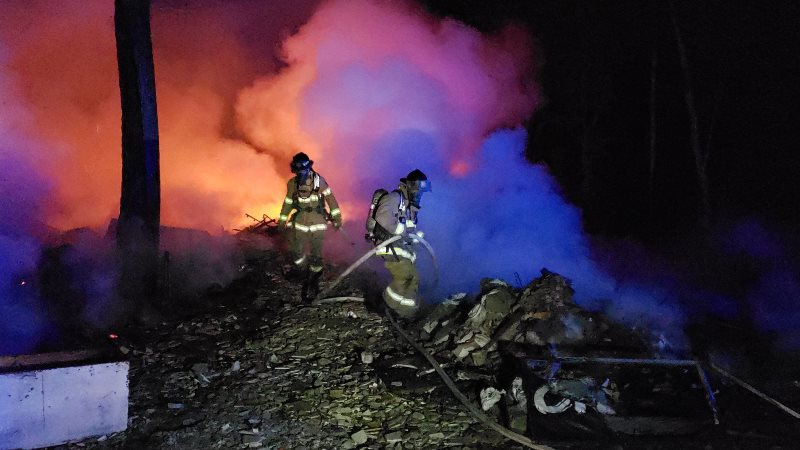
x,y
370,89
359,71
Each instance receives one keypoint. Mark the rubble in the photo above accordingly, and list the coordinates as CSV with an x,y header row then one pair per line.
x,y
265,371
505,342
299,377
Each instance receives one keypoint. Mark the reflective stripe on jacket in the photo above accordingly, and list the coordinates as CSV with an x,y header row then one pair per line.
x,y
308,199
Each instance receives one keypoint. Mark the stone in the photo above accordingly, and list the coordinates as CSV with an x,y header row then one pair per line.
x,y
251,438
519,423
478,358
359,437
393,437
336,393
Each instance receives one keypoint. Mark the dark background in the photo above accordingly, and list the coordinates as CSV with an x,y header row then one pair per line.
x,y
593,129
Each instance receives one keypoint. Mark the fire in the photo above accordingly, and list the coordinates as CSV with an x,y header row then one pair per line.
x,y
230,117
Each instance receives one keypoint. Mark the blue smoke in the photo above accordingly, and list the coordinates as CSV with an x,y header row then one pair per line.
x,y
507,219
21,192
773,295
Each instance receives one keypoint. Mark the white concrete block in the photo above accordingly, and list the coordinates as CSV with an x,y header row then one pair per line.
x,y
40,408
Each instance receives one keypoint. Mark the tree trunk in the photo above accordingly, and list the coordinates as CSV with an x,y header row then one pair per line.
x,y
651,169
700,157
140,202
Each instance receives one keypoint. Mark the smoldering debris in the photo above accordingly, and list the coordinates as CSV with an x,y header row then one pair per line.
x,y
73,284
265,371
509,344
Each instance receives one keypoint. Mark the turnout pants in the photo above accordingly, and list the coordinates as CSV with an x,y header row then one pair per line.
x,y
299,241
401,294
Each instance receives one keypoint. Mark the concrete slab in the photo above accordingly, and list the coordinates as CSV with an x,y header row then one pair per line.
x,y
44,407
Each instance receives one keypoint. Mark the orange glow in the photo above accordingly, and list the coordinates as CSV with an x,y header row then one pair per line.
x,y
460,168
64,67
241,87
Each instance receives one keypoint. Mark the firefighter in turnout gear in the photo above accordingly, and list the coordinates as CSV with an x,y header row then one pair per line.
x,y
396,214
304,216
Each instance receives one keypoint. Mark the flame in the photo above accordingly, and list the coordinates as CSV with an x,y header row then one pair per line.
x,y
232,110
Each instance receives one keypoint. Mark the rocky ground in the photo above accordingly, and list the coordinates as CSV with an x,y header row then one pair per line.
x,y
264,371
251,367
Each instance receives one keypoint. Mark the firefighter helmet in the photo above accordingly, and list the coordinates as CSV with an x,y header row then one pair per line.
x,y
417,181
300,162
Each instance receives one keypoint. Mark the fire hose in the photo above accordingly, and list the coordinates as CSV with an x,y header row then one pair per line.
x,y
483,418
374,250
476,413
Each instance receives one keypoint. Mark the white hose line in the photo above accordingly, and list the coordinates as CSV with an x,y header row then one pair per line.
x,y
374,250
758,393
355,265
478,414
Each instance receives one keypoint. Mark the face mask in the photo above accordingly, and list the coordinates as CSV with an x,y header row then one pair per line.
x,y
415,196
300,168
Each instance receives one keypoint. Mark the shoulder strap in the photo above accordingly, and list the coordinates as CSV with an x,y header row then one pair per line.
x,y
315,183
402,206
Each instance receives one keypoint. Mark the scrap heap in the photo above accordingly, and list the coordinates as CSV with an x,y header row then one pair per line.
x,y
511,349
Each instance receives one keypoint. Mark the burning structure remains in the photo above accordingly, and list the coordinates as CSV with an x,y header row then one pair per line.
x,y
235,362
255,367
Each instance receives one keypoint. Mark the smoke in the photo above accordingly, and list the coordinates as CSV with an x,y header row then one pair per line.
x,y
62,58
773,285
425,95
243,85
370,89
23,195
199,261
60,148
437,95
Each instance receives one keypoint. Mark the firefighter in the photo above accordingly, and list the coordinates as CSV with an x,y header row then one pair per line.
x,y
396,214
306,195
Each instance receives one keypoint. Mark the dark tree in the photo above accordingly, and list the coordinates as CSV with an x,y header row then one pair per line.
x,y
140,203
700,154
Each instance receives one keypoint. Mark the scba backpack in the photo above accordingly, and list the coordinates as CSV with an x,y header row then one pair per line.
x,y
375,232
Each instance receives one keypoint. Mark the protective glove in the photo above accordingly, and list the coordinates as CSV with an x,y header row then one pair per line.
x,y
337,223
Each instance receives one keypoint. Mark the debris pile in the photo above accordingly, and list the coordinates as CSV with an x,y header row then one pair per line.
x,y
266,226
258,369
268,372
511,350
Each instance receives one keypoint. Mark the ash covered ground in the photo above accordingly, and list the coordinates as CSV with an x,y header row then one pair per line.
x,y
251,366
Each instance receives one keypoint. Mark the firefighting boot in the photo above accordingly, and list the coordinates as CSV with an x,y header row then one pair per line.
x,y
311,285
304,290
373,301
294,273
